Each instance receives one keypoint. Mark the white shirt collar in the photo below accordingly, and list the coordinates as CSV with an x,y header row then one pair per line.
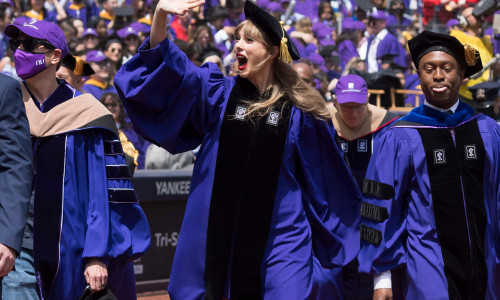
x,y
453,108
381,35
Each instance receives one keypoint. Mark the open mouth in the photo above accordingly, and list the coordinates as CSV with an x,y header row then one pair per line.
x,y
242,61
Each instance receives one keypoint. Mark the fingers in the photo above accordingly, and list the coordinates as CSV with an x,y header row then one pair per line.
x,y
96,276
7,260
195,3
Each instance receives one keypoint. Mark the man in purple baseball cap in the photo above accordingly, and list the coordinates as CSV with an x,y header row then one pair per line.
x,y
63,251
358,125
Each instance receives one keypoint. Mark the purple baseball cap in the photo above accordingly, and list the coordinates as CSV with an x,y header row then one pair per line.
x,y
40,30
7,2
89,31
140,27
348,25
21,20
351,88
95,56
274,7
124,32
378,15
359,25
263,3
452,22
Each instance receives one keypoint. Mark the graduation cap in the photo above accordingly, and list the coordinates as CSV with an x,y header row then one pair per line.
x,y
429,41
484,94
77,65
274,29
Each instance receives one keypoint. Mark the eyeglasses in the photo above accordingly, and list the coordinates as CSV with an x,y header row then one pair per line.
x,y
29,44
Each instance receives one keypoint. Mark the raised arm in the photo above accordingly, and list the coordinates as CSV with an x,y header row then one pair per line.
x,y
164,7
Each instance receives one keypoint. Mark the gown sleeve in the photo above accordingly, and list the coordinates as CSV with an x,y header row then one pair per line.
x,y
170,101
384,207
330,197
116,225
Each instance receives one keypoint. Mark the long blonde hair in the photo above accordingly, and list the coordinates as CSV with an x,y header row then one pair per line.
x,y
286,82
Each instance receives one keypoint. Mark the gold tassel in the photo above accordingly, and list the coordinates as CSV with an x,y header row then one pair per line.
x,y
284,54
128,147
470,55
78,66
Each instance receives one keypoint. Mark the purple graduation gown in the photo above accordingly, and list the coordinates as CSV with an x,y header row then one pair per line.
x,y
430,205
84,205
315,214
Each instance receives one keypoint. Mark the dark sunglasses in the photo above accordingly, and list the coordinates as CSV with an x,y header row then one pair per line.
x,y
29,44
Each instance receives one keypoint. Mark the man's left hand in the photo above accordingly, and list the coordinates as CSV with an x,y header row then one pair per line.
x,y
7,259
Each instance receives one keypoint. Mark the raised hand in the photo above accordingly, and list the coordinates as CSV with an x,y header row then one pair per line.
x,y
178,7
164,7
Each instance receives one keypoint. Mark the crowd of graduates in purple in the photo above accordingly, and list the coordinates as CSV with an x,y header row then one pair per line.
x,y
336,38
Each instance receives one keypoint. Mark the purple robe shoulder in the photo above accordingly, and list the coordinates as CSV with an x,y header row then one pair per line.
x,y
315,208
390,46
398,224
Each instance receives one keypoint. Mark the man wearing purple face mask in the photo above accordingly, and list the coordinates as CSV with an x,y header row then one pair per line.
x,y
84,226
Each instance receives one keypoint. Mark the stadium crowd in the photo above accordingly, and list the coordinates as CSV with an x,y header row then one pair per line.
x,y
335,38
261,212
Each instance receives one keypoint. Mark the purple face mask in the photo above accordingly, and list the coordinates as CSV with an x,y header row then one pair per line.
x,y
29,64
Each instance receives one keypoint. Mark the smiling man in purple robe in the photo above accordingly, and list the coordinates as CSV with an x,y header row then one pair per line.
x,y
431,191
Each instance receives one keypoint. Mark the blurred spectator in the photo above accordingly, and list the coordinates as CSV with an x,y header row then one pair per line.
x,y
305,73
114,52
308,8
133,144
303,37
69,30
37,10
79,25
294,15
98,84
214,57
131,39
107,12
275,10
222,35
142,30
486,98
180,25
397,20
89,37
453,24
5,20
235,13
201,34
382,43
324,14
81,9
355,65
473,35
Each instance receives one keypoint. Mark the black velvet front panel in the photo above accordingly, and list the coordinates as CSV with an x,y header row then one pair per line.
x,y
456,177
49,158
245,183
